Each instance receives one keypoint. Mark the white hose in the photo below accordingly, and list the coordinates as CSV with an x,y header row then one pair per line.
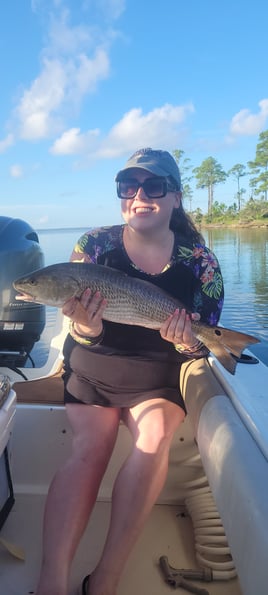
x,y
211,546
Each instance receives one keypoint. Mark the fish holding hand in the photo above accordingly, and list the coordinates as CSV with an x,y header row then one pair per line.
x,y
127,300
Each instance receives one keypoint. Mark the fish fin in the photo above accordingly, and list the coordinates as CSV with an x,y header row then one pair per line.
x,y
224,357
234,341
225,342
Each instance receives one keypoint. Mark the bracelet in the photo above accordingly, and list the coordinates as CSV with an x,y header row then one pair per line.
x,y
197,350
192,349
83,339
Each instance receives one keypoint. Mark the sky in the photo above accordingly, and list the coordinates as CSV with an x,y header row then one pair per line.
x,y
85,83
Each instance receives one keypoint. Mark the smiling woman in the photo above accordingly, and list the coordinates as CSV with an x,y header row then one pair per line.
x,y
129,372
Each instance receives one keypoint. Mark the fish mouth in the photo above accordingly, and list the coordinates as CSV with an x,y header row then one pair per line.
x,y
25,297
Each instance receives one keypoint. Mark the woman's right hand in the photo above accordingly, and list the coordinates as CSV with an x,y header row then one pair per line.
x,y
86,312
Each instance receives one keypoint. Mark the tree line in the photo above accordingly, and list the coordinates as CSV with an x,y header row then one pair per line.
x,y
210,173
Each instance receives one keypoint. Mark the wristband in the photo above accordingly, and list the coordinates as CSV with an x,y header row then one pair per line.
x,y
83,339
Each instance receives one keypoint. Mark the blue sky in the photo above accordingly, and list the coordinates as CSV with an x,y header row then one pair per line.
x,y
85,83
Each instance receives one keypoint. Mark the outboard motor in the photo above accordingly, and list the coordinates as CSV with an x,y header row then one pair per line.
x,y
21,323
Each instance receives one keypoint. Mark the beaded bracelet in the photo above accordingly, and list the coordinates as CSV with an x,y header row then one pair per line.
x,y
83,339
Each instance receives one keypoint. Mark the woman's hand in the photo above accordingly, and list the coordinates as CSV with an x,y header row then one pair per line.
x,y
86,312
178,329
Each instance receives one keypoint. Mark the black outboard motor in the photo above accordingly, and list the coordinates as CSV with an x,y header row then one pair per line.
x,y
21,323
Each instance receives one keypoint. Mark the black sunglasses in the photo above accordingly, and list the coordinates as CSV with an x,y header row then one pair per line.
x,y
156,187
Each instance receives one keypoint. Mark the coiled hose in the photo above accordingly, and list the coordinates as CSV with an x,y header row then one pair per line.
x,y
211,546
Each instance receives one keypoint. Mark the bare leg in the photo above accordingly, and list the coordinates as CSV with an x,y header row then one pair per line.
x,y
152,425
73,492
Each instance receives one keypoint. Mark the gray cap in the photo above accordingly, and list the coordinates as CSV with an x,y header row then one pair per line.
x,y
157,162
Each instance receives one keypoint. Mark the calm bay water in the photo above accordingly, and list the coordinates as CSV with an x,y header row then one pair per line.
x,y
243,255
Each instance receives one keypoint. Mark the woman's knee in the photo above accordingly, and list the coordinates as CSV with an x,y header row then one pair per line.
x,y
94,429
153,426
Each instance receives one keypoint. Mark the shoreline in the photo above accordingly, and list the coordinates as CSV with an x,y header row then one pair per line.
x,y
251,225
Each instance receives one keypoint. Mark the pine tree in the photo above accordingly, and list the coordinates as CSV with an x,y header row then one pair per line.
x,y
237,172
259,167
208,174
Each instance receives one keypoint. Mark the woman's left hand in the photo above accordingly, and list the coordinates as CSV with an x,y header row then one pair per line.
x,y
86,312
178,328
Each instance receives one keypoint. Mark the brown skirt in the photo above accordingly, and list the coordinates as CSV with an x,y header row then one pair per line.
x,y
117,380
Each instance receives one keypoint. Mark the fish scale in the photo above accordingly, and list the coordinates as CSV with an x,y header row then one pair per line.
x,y
129,301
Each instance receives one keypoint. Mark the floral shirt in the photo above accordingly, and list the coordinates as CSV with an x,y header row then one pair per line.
x,y
193,276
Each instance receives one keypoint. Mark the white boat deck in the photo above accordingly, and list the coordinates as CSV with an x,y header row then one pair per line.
x,y
166,533
40,443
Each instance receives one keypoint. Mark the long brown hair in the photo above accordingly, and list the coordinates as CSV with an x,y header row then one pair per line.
x,y
182,223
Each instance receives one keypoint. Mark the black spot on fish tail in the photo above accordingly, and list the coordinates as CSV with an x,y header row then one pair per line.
x,y
234,341
225,342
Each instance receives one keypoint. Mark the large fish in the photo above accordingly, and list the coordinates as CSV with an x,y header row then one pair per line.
x,y
129,301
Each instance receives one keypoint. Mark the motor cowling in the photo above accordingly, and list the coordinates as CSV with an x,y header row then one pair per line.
x,y
21,323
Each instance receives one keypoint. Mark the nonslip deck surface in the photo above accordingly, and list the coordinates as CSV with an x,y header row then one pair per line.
x,y
166,533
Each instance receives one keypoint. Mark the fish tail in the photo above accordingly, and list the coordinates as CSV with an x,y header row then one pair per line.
x,y
225,342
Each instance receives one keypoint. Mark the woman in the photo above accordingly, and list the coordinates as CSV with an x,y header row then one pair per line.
x,y
115,372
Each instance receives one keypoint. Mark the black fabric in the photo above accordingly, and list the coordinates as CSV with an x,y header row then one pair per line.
x,y
117,381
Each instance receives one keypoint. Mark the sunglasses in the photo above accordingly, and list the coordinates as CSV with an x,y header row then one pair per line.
x,y
156,187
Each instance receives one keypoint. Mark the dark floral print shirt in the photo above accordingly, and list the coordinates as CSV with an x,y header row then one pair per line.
x,y
193,276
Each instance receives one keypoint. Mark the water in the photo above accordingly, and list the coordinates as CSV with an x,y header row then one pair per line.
x,y
243,255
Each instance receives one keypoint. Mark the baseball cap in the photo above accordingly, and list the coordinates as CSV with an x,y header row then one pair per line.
x,y
156,161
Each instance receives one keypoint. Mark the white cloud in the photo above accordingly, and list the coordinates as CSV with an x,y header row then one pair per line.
x,y
61,84
43,219
40,102
65,39
16,171
72,142
73,62
112,8
6,143
163,126
244,123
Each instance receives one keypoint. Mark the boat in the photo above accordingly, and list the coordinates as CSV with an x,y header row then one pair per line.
x,y
208,531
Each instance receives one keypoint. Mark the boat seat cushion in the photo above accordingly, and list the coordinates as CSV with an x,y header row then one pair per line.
x,y
198,384
47,391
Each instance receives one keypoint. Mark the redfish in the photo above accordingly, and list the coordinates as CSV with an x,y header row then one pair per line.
x,y
129,301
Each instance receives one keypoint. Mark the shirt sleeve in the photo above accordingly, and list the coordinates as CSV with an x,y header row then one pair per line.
x,y
209,294
208,288
89,246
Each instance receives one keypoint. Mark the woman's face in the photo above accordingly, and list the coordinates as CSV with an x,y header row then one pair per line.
x,y
143,213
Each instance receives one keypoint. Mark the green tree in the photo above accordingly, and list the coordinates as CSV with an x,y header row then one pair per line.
x,y
259,167
197,216
218,209
232,210
237,172
184,164
208,174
